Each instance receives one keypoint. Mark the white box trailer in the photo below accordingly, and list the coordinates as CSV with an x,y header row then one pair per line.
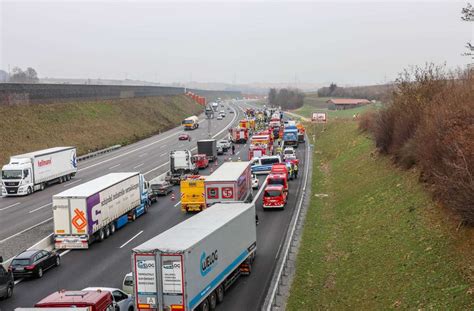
x,y
94,210
29,172
231,182
194,262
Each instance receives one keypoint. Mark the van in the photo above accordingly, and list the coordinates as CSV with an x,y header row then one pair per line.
x,y
274,196
95,300
278,179
263,165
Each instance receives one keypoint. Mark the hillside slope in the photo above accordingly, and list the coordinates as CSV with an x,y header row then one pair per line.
x,y
89,125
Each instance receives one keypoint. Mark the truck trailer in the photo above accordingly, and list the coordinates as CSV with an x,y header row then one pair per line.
x,y
191,265
208,147
231,182
94,210
29,172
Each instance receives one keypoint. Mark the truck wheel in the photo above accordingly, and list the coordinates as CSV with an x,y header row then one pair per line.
x,y
204,306
60,180
112,228
29,191
212,301
101,235
134,216
220,293
107,232
42,186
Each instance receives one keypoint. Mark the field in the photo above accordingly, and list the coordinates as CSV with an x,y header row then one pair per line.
x,y
89,125
373,239
314,103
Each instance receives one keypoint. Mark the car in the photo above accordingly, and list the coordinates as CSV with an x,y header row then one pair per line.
x,y
127,284
33,263
7,282
220,150
121,300
219,117
161,187
223,114
225,143
184,136
254,181
231,111
289,152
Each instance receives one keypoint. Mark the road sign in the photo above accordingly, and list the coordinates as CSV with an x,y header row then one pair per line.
x,y
319,117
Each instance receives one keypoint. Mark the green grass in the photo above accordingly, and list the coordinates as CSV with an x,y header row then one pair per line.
x,y
89,125
373,242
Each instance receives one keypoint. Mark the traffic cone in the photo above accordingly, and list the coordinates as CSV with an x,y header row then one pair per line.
x,y
173,198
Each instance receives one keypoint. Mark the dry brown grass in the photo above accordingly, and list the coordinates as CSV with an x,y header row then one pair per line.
x,y
89,125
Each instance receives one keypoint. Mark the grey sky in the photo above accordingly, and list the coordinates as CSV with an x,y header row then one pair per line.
x,y
347,42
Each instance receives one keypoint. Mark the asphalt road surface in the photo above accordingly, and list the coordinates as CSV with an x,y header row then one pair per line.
x,y
106,263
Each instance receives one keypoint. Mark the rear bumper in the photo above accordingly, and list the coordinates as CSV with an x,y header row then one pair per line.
x,y
273,206
71,242
23,274
192,207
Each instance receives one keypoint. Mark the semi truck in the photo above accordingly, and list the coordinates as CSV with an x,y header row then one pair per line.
x,y
94,210
231,182
191,123
290,136
181,164
208,147
29,172
215,106
190,266
239,135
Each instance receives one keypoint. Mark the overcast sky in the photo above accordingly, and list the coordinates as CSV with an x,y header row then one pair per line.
x,y
347,42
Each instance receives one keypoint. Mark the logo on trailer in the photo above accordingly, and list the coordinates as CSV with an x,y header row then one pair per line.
x,y
79,221
42,163
74,160
213,193
208,262
145,264
227,192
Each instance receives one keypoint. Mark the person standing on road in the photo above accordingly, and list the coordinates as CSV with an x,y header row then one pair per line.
x,y
233,149
295,169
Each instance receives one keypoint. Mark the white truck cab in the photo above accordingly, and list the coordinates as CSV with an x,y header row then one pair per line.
x,y
29,172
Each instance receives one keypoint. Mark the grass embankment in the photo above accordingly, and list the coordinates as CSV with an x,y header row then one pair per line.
x,y
89,125
376,241
313,103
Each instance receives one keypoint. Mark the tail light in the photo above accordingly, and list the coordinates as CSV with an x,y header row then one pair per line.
x,y
30,267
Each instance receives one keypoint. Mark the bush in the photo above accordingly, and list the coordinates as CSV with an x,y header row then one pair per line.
x,y
366,121
430,123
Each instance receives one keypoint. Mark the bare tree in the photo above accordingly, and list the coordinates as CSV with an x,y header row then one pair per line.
x,y
28,76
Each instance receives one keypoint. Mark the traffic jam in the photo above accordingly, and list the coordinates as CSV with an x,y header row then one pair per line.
x,y
219,203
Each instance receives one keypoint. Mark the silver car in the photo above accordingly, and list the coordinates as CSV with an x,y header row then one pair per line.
x,y
122,300
127,284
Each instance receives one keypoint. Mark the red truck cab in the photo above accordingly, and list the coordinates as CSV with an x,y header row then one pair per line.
x,y
274,196
201,161
280,168
278,179
95,300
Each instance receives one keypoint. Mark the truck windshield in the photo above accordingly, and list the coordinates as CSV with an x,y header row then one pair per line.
x,y
13,174
272,193
188,122
269,161
275,181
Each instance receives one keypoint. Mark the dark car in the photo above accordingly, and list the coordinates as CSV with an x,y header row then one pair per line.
x,y
6,283
33,263
161,187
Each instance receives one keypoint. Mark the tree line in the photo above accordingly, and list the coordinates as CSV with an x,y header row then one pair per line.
x,y
286,98
20,76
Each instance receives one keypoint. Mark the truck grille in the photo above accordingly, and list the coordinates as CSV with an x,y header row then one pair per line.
x,y
11,183
11,190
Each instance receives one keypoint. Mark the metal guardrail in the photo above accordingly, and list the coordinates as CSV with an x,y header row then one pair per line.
x,y
98,152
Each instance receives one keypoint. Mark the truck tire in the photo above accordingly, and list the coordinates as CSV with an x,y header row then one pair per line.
x,y
42,186
220,293
101,235
212,300
60,180
134,216
112,228
107,231
204,306
29,191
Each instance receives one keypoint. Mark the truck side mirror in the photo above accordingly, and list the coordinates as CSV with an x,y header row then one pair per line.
x,y
1,259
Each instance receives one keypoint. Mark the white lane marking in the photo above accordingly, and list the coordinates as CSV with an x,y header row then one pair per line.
x,y
64,253
163,154
72,183
18,281
131,239
41,207
136,166
10,206
112,167
164,146
179,202
24,230
143,154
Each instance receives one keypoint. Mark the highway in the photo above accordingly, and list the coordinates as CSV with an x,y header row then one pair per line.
x,y
149,156
106,263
